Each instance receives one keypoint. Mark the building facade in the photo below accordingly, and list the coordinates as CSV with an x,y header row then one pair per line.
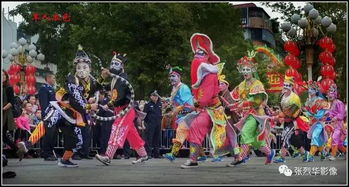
x,y
256,24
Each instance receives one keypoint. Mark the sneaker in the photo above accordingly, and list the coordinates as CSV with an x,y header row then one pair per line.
x,y
322,156
236,162
217,159
189,164
104,159
140,160
279,160
67,163
305,156
270,157
310,158
202,158
76,157
169,156
22,149
332,158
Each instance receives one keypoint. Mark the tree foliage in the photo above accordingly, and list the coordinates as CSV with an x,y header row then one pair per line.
x,y
151,34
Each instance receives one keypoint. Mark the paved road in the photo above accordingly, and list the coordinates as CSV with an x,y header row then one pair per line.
x,y
161,171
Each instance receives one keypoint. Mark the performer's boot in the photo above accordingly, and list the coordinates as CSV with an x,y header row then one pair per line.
x,y
142,153
194,153
202,155
65,161
282,157
109,154
245,151
174,152
333,153
313,150
270,153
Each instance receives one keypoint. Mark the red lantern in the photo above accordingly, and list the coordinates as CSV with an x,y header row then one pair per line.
x,y
16,89
298,88
290,72
325,85
332,76
29,69
298,77
12,79
31,90
331,48
30,79
14,68
16,78
325,57
326,70
330,61
292,48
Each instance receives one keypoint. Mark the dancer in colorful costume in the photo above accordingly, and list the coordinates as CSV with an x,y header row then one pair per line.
x,y
209,115
70,109
315,109
231,116
123,127
251,97
336,113
295,126
182,103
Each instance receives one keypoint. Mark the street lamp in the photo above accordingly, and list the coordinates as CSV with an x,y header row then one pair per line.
x,y
21,71
306,30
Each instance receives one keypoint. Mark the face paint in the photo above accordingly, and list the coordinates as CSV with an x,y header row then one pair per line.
x,y
287,87
199,53
246,72
332,92
312,91
82,70
174,79
222,86
116,66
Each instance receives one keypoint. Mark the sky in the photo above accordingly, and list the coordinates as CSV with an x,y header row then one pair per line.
x,y
18,19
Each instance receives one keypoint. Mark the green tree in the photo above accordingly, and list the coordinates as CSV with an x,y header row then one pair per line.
x,y
152,34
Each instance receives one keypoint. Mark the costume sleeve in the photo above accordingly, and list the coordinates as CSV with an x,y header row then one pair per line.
x,y
76,99
340,111
185,96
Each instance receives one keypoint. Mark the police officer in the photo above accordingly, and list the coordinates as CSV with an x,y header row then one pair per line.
x,y
153,125
47,94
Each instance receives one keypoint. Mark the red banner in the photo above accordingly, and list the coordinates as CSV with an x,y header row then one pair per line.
x,y
275,82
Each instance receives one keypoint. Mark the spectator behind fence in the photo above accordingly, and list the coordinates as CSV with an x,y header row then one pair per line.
x,y
47,94
24,122
168,124
32,100
153,123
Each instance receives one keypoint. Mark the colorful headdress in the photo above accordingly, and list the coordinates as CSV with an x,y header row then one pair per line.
x,y
81,56
176,70
289,79
119,57
248,60
221,77
203,42
313,84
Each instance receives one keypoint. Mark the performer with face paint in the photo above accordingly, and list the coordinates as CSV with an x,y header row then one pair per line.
x,y
336,113
295,127
254,125
69,112
315,109
182,102
209,115
123,127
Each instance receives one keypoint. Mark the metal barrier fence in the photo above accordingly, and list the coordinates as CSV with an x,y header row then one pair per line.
x,y
165,141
